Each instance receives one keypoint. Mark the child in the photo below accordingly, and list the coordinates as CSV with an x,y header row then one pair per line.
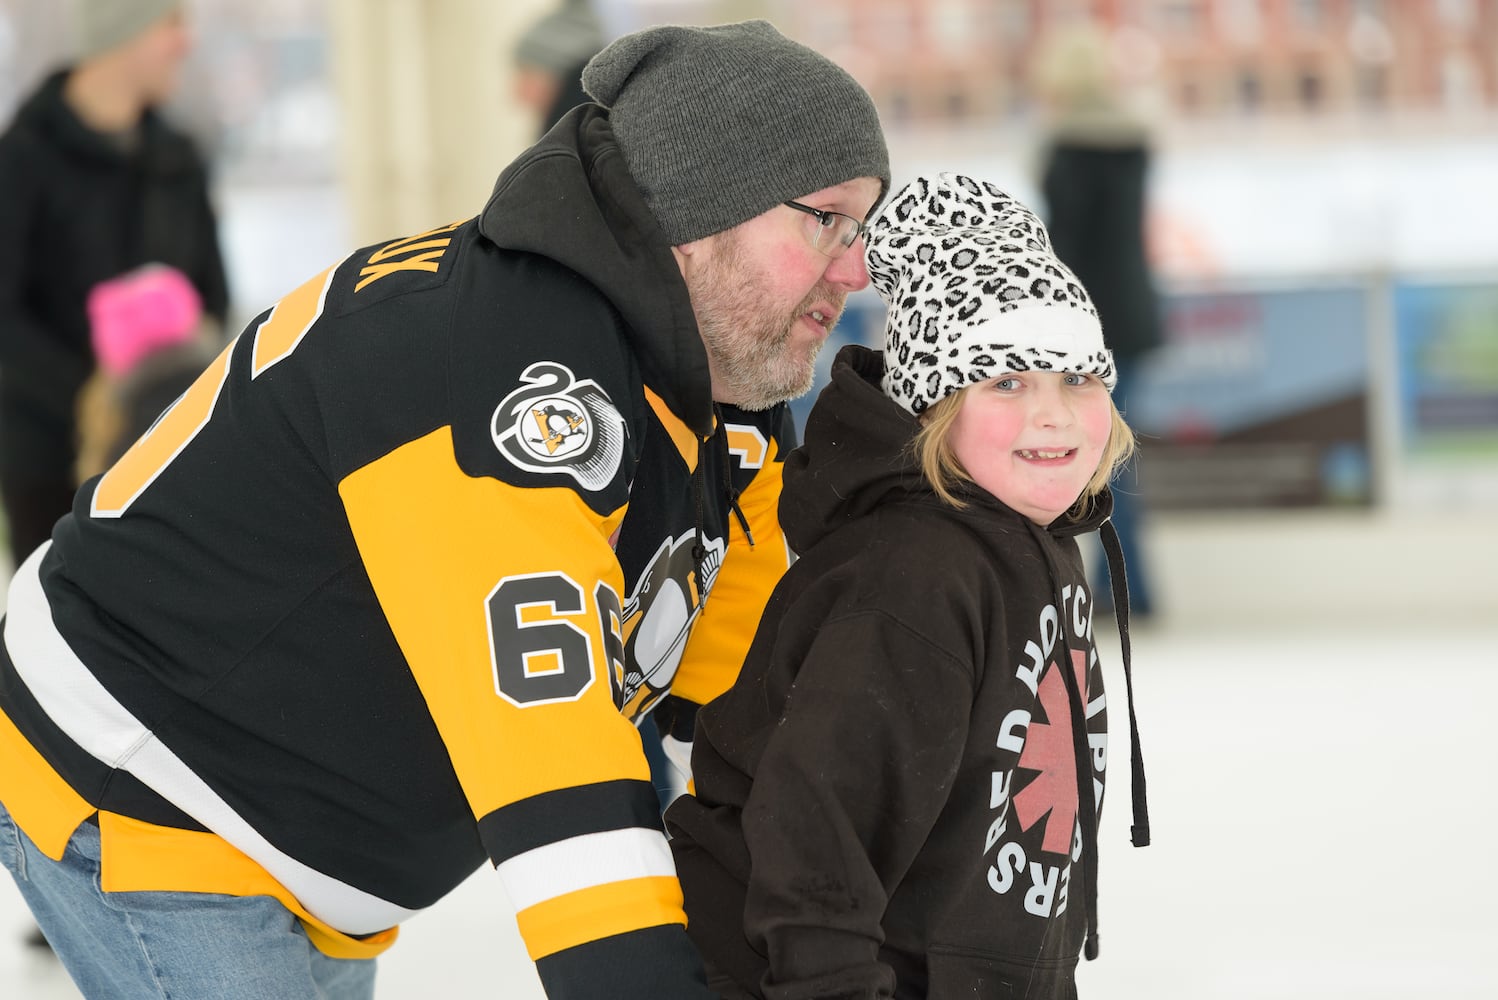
x,y
899,797
151,340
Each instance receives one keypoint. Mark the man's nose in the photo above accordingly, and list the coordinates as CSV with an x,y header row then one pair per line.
x,y
850,271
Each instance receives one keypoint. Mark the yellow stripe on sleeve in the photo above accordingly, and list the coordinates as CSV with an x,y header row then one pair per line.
x,y
174,430
289,322
600,911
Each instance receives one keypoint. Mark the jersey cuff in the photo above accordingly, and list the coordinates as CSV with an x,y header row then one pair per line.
x,y
567,813
646,964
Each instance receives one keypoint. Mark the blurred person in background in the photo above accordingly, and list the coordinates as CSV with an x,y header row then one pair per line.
x,y
1094,165
96,184
549,59
151,341
387,592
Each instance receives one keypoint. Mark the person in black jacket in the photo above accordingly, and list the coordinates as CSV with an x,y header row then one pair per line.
x,y
1094,175
899,796
96,184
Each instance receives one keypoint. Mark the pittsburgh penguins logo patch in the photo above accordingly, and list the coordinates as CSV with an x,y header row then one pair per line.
x,y
555,423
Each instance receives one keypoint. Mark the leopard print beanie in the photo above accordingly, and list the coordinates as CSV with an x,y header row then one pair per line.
x,y
974,290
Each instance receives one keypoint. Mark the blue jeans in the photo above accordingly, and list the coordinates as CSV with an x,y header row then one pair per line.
x,y
170,945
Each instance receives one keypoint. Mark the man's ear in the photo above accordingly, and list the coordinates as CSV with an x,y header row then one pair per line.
x,y
686,255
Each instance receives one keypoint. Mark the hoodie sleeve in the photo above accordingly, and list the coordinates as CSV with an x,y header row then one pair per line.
x,y
846,793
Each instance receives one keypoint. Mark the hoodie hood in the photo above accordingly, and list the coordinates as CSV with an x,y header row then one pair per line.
x,y
858,456
571,198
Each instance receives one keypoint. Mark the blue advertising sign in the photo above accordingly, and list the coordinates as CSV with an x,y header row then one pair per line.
x,y
1258,399
1446,337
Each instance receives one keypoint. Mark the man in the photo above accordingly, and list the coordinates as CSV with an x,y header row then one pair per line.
x,y
96,184
383,594
549,58
1094,176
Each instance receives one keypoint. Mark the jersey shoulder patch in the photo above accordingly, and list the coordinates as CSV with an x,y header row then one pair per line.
x,y
554,423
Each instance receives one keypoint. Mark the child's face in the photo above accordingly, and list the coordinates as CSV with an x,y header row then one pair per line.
x,y
1033,439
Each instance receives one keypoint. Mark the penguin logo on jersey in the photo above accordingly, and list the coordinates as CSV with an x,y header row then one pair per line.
x,y
658,620
556,423
561,430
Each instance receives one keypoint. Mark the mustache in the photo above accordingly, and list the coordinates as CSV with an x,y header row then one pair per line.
x,y
823,293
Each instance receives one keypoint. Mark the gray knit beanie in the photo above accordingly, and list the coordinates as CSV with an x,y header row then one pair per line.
x,y
104,24
720,124
561,41
974,290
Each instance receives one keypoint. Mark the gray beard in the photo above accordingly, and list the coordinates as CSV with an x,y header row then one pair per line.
x,y
760,374
748,350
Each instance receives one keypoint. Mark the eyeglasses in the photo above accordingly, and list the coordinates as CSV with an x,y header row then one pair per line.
x,y
833,232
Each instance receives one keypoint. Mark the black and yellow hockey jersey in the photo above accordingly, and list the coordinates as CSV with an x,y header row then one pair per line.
x,y
387,590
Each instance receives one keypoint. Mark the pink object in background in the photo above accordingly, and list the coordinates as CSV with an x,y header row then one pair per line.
x,y
139,312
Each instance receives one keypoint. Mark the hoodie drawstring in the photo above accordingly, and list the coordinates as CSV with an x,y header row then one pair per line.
x,y
1086,799
699,551
699,496
728,490
1139,833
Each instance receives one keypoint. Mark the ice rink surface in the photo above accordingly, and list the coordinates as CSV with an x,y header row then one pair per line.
x,y
1320,797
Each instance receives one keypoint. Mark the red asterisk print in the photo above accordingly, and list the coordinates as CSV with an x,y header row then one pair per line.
x,y
1048,749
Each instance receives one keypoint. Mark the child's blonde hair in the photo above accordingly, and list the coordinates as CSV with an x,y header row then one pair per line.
x,y
939,462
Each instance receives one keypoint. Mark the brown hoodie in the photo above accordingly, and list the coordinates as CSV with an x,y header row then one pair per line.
x,y
899,796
